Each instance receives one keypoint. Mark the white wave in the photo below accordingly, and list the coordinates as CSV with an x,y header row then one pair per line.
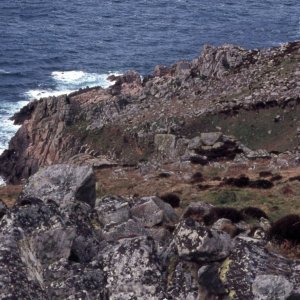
x,y
2,71
80,79
8,128
2,182
37,94
67,82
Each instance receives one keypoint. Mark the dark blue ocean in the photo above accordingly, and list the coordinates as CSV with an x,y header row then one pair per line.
x,y
51,47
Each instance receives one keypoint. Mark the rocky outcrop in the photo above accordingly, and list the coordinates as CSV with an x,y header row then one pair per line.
x,y
251,272
75,183
153,118
127,248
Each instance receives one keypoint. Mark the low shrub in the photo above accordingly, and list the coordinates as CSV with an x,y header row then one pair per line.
x,y
286,228
172,199
197,177
242,181
253,213
217,213
261,184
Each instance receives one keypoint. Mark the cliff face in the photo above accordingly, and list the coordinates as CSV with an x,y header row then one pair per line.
x,y
251,94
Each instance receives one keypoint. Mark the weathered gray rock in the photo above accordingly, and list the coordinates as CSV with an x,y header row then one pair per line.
x,y
218,61
269,287
210,138
195,143
85,245
62,184
198,243
151,211
169,215
182,68
65,280
256,154
16,281
133,270
128,229
112,210
183,283
251,268
165,146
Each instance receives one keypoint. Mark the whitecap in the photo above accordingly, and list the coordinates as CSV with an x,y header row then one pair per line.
x,y
37,94
2,182
2,71
66,82
80,79
8,128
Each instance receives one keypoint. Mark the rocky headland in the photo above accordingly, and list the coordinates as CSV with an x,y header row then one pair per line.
x,y
182,184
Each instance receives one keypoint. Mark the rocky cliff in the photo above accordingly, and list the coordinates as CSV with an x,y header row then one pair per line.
x,y
250,94
146,190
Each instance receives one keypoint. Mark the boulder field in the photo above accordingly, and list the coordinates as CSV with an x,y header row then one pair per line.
x,y
62,242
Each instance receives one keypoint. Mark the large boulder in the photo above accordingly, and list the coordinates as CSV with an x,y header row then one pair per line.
x,y
49,252
151,211
198,243
65,280
253,272
133,270
16,281
63,184
182,280
267,287
112,210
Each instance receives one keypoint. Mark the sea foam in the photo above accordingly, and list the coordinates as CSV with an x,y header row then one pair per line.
x,y
8,128
66,82
2,71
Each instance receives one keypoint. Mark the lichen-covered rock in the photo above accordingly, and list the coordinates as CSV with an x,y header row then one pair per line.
x,y
269,287
133,270
112,210
128,229
65,280
85,245
151,211
15,279
146,211
62,184
251,268
182,280
199,243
